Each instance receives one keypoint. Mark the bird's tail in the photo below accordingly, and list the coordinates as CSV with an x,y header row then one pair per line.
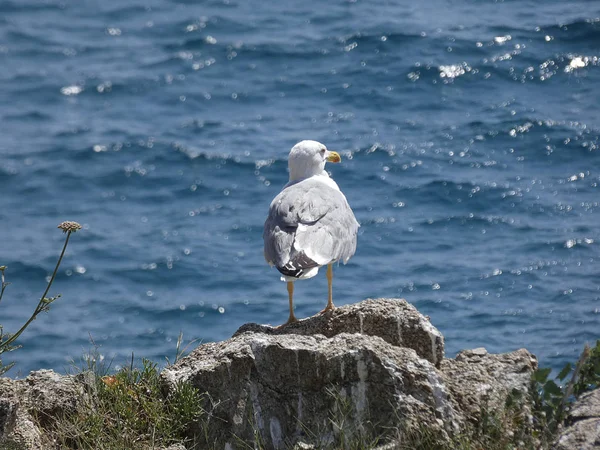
x,y
298,264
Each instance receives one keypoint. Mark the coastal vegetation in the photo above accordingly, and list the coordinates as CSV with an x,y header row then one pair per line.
x,y
130,410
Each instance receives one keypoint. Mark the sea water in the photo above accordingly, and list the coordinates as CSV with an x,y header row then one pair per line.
x,y
469,133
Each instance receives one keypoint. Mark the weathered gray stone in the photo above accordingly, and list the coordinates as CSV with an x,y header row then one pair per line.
x,y
8,415
50,394
175,447
393,319
582,435
304,446
373,362
586,407
312,389
53,394
583,424
18,430
481,381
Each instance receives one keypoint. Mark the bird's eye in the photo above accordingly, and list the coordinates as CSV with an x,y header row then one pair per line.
x,y
323,150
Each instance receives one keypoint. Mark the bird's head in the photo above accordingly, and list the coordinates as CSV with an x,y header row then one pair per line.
x,y
308,158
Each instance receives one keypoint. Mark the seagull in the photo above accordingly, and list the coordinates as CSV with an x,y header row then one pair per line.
x,y
310,224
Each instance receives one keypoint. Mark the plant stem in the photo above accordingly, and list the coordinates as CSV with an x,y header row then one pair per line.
x,y
42,302
3,286
569,390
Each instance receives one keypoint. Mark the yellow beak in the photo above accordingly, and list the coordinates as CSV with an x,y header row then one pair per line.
x,y
333,157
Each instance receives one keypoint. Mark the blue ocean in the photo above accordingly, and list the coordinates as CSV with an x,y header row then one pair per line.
x,y
470,141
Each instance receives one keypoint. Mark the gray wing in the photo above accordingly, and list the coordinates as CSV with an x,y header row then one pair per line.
x,y
310,224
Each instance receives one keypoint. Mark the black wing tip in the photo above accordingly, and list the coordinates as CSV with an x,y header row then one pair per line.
x,y
289,270
297,265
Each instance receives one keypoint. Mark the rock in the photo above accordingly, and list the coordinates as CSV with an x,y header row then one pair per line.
x,y
370,375
51,394
394,320
480,381
362,370
8,415
583,424
587,406
304,446
582,435
54,394
175,447
18,430
17,427
312,389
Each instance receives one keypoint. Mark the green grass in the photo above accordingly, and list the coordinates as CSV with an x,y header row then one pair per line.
x,y
128,410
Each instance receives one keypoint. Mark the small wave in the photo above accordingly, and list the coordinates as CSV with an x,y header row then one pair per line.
x,y
71,90
18,271
378,220
469,196
203,124
194,43
473,219
579,62
582,31
279,52
455,186
445,73
28,115
205,23
379,38
196,153
560,247
570,243
34,41
454,70
10,6
123,11
577,134
377,148
243,161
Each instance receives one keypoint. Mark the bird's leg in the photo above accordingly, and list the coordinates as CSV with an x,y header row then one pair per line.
x,y
290,289
330,306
